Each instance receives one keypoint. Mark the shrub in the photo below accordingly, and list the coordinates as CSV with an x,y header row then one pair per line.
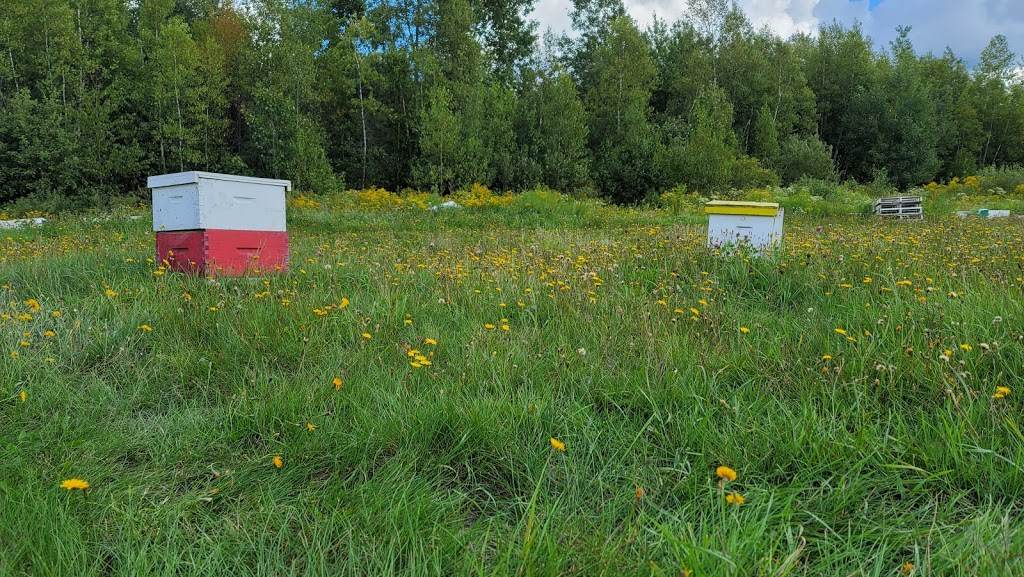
x,y
747,172
801,157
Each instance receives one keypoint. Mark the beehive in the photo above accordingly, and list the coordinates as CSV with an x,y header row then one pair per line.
x,y
209,223
757,225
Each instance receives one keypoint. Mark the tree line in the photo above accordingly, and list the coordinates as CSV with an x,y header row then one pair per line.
x,y
438,94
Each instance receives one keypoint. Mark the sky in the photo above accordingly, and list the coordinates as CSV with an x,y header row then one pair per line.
x,y
966,26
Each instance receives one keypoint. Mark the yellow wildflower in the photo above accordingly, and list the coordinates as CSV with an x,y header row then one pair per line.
x,y
557,445
337,383
726,473
72,484
278,462
735,499
744,330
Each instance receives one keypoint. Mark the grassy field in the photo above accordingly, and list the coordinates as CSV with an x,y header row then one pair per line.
x,y
415,376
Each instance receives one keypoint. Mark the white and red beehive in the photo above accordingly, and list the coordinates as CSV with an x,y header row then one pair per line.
x,y
208,223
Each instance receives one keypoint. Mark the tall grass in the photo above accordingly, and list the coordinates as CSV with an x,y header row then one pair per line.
x,y
859,451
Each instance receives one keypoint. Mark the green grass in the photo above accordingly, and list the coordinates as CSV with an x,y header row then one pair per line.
x,y
893,455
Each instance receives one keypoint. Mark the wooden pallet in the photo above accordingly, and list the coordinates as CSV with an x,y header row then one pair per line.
x,y
899,207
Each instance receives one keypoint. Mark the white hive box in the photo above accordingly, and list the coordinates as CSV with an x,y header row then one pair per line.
x,y
206,200
755,224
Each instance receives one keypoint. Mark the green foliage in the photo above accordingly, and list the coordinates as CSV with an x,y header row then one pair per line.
x,y
96,96
709,154
618,104
801,157
747,172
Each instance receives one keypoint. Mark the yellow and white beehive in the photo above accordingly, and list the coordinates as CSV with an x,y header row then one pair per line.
x,y
737,223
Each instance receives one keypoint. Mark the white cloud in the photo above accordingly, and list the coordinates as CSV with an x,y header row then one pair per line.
x,y
966,27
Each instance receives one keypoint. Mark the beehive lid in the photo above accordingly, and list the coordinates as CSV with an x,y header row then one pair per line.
x,y
193,177
742,207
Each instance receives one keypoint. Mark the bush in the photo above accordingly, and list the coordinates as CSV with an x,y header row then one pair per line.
x,y
1008,179
747,172
801,157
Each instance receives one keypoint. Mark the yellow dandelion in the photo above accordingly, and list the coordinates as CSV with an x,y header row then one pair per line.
x,y
430,341
311,426
367,336
146,328
24,396
337,383
726,473
744,330
841,331
111,293
278,462
72,484
557,445
344,303
489,326
639,493
735,499
907,568
966,347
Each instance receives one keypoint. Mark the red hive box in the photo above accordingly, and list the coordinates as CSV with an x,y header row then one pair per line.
x,y
223,252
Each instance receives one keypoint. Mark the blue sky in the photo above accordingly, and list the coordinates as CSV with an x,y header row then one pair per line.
x,y
966,26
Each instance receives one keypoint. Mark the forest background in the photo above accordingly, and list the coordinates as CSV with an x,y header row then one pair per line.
x,y
434,95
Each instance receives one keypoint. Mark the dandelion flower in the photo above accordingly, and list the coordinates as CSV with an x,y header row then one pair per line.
x,y
337,383
24,396
907,568
726,473
966,347
735,499
72,484
311,426
344,303
744,330
841,331
639,493
111,293
1001,393
557,445
367,336
146,328
278,462
489,326
430,341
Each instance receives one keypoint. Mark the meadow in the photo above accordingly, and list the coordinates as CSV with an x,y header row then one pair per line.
x,y
546,387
